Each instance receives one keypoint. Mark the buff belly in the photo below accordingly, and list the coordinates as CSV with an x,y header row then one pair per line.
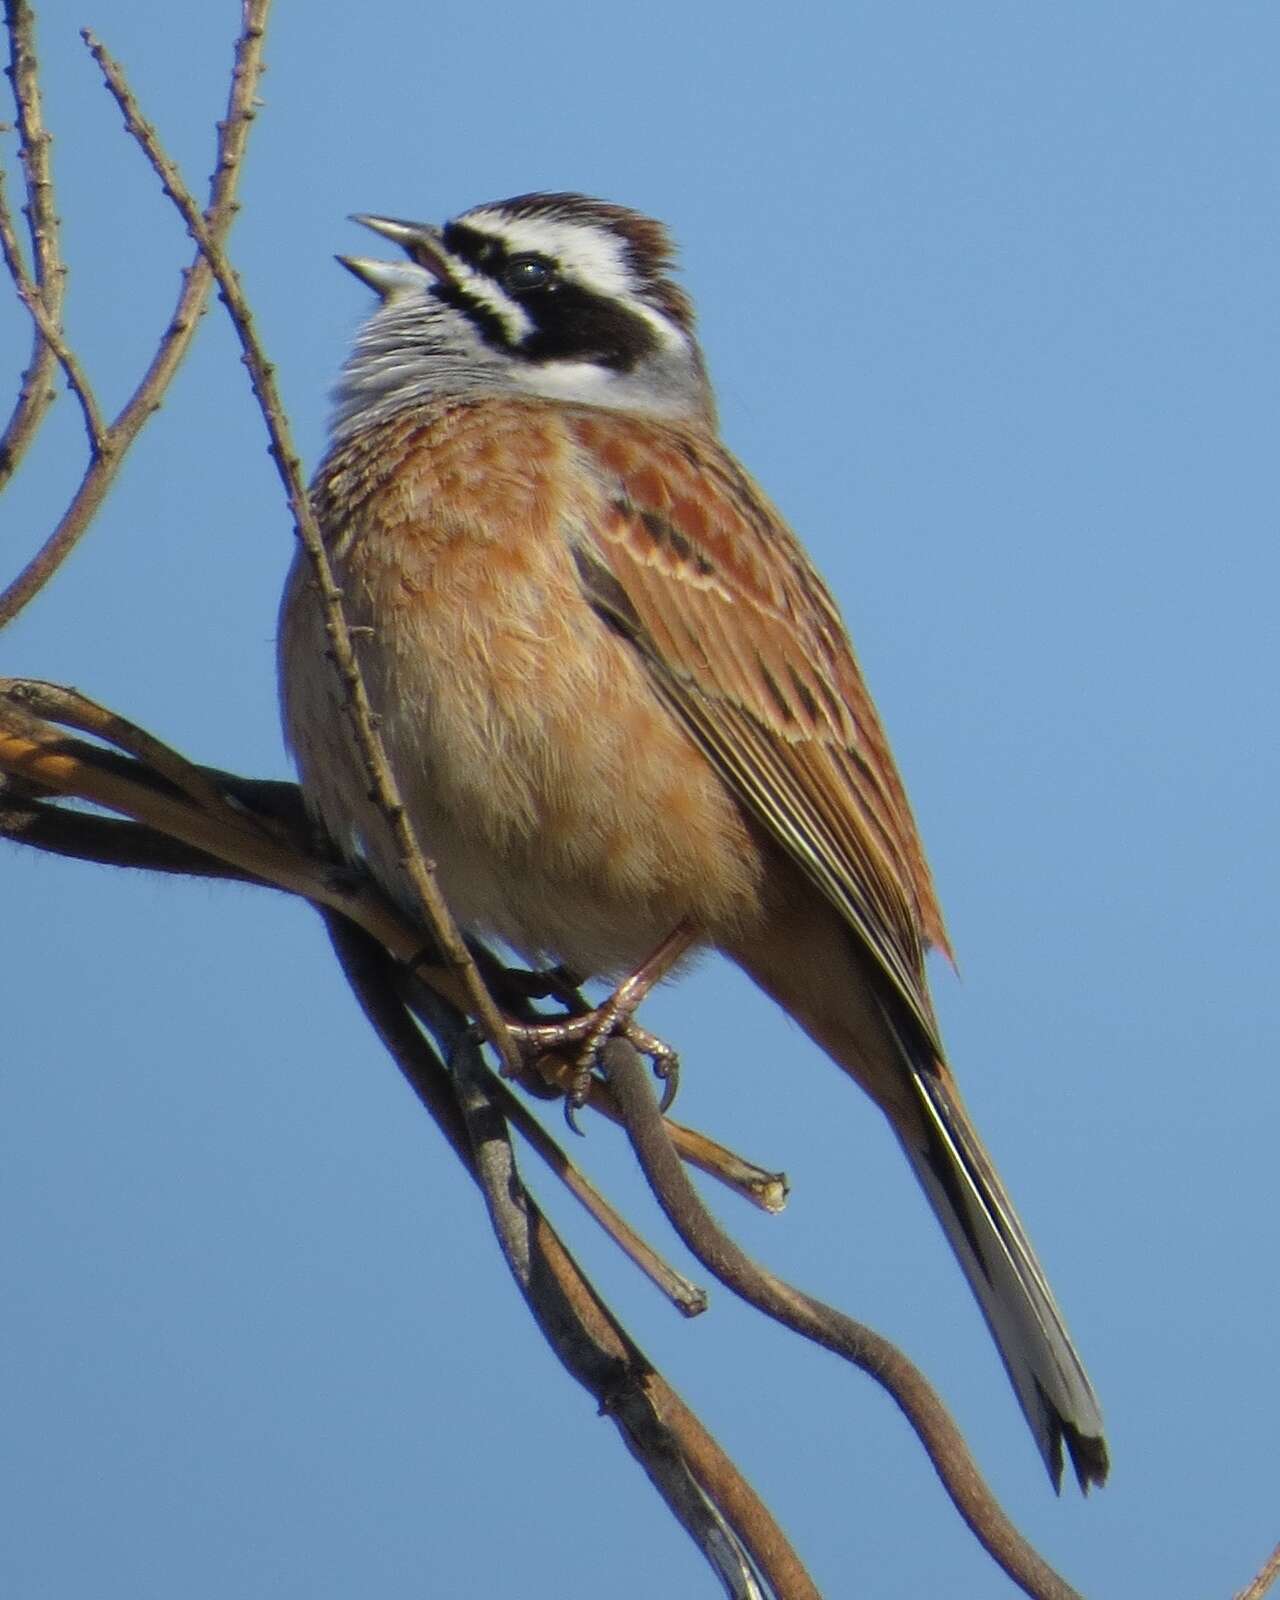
x,y
566,811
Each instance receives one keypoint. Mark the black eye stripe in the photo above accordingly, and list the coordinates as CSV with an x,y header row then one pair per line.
x,y
479,250
645,246
482,252
484,318
573,323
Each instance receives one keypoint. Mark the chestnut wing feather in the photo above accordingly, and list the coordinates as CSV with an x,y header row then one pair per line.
x,y
746,644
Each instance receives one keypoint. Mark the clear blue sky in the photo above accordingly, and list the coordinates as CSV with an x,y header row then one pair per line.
x,y
990,297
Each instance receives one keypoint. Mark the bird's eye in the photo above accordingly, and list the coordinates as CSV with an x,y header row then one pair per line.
x,y
523,273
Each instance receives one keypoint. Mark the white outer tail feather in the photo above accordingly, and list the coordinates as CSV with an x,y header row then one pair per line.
x,y
1009,1285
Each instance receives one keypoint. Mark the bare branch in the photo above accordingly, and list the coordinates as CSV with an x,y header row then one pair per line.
x,y
192,820
176,339
39,754
219,824
765,1189
687,1298
105,840
596,1350
1268,1575
35,390
606,1360
854,1341
378,770
48,327
268,846
207,823
74,710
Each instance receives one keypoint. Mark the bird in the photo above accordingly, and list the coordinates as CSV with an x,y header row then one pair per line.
x,y
621,705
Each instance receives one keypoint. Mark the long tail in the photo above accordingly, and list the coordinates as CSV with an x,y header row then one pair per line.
x,y
804,964
1008,1283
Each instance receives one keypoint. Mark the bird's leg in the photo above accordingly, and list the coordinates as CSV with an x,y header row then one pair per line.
x,y
614,1016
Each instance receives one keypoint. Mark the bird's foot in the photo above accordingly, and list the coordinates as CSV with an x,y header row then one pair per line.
x,y
588,1031
566,1050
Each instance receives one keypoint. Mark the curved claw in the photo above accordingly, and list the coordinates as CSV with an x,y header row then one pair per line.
x,y
575,1096
666,1063
588,1031
667,1071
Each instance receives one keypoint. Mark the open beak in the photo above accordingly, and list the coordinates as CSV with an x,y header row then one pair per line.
x,y
420,241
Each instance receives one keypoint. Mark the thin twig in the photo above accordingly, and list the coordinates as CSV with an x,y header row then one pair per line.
x,y
583,1332
854,1341
1270,1572
259,845
176,339
72,709
383,786
276,843
207,823
765,1189
183,803
38,754
688,1298
49,333
611,1365
107,841
35,390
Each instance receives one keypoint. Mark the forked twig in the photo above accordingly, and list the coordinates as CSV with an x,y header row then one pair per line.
x,y
220,826
112,443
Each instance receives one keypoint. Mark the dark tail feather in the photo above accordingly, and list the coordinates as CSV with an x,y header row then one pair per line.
x,y
983,1228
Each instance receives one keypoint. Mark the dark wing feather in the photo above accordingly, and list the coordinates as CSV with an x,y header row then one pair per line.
x,y
744,641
